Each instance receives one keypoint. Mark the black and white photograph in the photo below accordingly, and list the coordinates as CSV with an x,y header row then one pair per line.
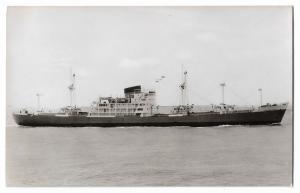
x,y
149,96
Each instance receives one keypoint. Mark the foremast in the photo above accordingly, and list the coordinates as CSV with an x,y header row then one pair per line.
x,y
184,107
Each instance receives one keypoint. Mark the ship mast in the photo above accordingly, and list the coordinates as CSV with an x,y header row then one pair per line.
x,y
72,89
183,88
223,87
260,93
116,100
186,99
38,95
182,85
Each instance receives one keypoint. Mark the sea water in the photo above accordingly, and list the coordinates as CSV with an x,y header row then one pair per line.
x,y
150,156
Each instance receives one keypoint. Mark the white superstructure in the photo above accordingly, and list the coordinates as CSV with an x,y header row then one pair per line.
x,y
136,102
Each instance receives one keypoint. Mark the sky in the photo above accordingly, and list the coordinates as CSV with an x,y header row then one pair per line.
x,y
110,48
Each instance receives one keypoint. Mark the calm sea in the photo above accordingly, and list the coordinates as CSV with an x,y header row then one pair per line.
x,y
150,156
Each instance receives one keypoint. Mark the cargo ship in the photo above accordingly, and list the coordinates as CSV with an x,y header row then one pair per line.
x,y
138,108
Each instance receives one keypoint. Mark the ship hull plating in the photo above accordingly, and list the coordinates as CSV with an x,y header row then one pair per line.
x,y
197,120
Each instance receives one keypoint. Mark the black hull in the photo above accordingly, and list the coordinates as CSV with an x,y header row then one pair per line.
x,y
196,120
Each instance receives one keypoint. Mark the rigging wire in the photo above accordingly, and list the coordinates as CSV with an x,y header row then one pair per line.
x,y
201,98
242,99
238,96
